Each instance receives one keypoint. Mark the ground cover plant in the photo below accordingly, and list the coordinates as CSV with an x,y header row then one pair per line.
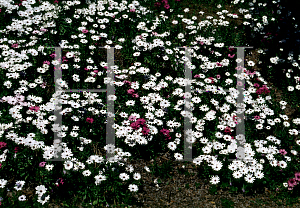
x,y
149,99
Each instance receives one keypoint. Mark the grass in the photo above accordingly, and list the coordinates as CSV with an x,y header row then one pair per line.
x,y
78,189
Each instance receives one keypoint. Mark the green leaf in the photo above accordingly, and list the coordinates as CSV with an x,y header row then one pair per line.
x,y
95,202
234,189
224,185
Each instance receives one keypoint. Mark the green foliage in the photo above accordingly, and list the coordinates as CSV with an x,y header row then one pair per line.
x,y
213,189
227,203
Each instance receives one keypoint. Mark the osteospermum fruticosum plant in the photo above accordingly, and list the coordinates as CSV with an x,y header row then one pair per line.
x,y
150,96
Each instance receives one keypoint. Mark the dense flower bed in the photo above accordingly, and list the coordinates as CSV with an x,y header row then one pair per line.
x,y
150,95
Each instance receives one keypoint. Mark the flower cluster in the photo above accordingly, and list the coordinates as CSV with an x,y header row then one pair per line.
x,y
293,181
166,133
264,89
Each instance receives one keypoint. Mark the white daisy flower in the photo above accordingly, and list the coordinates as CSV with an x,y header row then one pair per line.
x,y
22,198
86,173
124,176
133,188
137,176
215,179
